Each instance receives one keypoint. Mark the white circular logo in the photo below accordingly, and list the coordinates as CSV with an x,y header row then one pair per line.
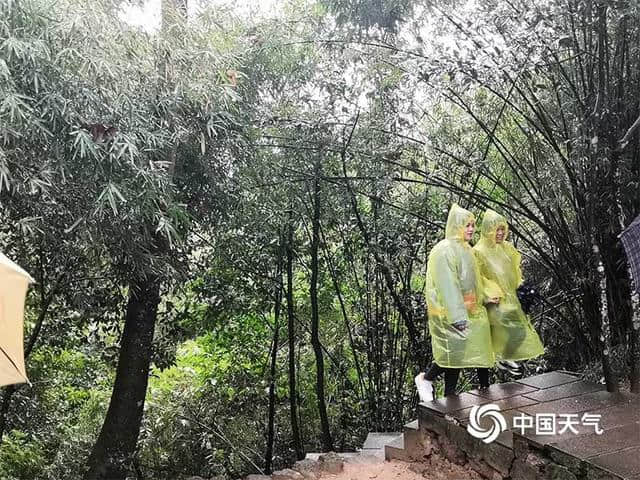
x,y
498,423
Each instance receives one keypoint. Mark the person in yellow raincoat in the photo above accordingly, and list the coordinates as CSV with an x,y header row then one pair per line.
x,y
455,296
513,336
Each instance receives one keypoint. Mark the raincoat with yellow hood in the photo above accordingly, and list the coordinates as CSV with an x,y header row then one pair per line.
x,y
454,294
512,334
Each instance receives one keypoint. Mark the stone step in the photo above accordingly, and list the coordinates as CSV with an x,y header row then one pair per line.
x,y
375,443
395,450
407,446
414,425
413,439
366,457
376,440
315,456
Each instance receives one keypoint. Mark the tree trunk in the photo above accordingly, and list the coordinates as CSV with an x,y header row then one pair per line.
x,y
112,455
272,370
291,332
605,328
327,444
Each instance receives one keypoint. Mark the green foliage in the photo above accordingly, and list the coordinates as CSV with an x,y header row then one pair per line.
x,y
21,457
60,416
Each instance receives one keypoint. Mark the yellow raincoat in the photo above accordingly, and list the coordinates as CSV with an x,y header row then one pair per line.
x,y
512,334
454,293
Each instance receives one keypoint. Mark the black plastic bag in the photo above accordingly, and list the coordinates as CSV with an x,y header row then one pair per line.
x,y
528,296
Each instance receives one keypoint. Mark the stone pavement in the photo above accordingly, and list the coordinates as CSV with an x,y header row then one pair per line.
x,y
555,400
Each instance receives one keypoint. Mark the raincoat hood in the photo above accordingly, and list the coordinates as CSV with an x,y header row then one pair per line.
x,y
457,221
490,222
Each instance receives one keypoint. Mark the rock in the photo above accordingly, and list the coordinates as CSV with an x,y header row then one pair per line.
x,y
498,457
310,475
558,472
485,469
254,476
595,473
453,453
520,446
526,469
331,463
419,468
428,446
308,468
287,474
521,471
573,464
434,423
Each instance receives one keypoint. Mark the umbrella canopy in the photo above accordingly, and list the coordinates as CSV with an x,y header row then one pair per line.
x,y
14,282
631,240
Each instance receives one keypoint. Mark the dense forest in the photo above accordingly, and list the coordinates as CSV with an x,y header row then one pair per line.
x,y
228,214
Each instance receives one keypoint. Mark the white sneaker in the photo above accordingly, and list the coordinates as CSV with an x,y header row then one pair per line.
x,y
511,367
425,388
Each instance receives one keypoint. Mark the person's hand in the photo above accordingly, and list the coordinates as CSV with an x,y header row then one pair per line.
x,y
461,326
460,329
495,300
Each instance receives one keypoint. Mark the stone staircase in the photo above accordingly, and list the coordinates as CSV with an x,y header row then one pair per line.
x,y
315,465
438,446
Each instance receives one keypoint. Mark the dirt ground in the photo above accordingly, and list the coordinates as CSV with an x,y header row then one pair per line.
x,y
437,468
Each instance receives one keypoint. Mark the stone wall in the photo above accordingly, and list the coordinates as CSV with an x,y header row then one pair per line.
x,y
511,457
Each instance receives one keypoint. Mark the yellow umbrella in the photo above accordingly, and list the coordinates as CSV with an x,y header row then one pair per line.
x,y
14,282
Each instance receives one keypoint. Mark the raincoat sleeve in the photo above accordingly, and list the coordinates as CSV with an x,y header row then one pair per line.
x,y
448,285
489,288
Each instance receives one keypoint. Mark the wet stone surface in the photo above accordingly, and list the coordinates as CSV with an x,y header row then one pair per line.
x,y
621,414
501,391
585,446
564,391
548,380
580,403
624,462
455,402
